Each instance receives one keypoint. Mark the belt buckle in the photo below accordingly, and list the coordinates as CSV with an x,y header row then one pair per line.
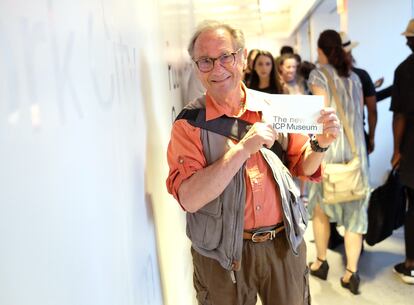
x,y
256,235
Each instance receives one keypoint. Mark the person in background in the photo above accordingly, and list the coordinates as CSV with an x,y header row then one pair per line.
x,y
353,214
370,101
283,50
286,50
293,83
305,68
402,105
383,93
264,77
287,67
368,90
244,219
249,67
298,59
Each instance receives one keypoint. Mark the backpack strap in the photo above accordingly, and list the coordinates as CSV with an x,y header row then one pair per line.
x,y
232,128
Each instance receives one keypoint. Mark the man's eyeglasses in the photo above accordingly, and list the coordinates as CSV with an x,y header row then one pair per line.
x,y
206,64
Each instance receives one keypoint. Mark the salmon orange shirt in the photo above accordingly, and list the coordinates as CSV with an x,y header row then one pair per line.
x,y
263,203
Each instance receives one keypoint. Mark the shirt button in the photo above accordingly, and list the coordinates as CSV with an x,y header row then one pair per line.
x,y
181,161
258,207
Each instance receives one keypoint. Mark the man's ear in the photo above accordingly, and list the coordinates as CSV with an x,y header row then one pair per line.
x,y
244,59
245,54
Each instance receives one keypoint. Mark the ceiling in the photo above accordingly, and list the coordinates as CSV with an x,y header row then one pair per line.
x,y
269,18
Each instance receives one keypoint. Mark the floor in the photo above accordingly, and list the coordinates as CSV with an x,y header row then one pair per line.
x,y
379,284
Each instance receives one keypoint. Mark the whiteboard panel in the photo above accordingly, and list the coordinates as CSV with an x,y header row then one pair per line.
x,y
76,226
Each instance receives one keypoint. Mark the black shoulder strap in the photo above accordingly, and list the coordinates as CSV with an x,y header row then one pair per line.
x,y
232,128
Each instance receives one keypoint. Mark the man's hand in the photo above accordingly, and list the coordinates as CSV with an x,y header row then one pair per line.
x,y
331,126
378,82
259,135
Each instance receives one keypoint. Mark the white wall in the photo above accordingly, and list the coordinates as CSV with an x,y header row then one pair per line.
x,y
303,41
76,218
323,18
175,25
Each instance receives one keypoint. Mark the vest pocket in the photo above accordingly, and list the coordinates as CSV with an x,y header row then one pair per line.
x,y
205,227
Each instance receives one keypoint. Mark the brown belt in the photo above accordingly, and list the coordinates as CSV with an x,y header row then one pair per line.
x,y
261,236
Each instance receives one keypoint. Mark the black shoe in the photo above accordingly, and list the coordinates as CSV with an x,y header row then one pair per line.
x,y
406,274
322,271
353,284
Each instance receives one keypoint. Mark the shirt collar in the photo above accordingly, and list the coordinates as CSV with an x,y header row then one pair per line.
x,y
251,103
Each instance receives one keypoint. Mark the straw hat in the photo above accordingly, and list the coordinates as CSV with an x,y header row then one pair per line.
x,y
347,44
409,32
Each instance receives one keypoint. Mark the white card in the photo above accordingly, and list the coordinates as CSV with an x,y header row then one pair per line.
x,y
294,113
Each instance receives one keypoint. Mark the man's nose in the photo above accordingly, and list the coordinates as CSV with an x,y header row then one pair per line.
x,y
217,65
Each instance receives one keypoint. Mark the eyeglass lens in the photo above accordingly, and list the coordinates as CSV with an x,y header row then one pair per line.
x,y
207,64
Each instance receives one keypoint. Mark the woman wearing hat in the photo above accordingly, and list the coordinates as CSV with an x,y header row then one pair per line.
x,y
402,107
353,214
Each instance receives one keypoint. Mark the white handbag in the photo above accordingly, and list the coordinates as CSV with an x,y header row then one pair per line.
x,y
343,182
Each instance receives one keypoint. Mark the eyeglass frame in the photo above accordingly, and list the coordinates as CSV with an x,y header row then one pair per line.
x,y
216,58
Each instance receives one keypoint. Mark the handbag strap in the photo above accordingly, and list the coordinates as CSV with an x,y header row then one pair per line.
x,y
341,113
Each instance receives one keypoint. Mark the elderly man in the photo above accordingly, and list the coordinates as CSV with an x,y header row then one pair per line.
x,y
402,104
244,218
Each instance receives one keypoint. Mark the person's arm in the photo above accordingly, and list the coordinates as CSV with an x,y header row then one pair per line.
x,y
371,103
398,127
398,107
384,93
209,182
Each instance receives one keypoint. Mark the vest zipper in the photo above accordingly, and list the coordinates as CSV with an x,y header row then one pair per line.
x,y
235,264
232,275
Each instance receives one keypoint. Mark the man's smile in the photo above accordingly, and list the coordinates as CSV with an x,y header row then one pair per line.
x,y
220,80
